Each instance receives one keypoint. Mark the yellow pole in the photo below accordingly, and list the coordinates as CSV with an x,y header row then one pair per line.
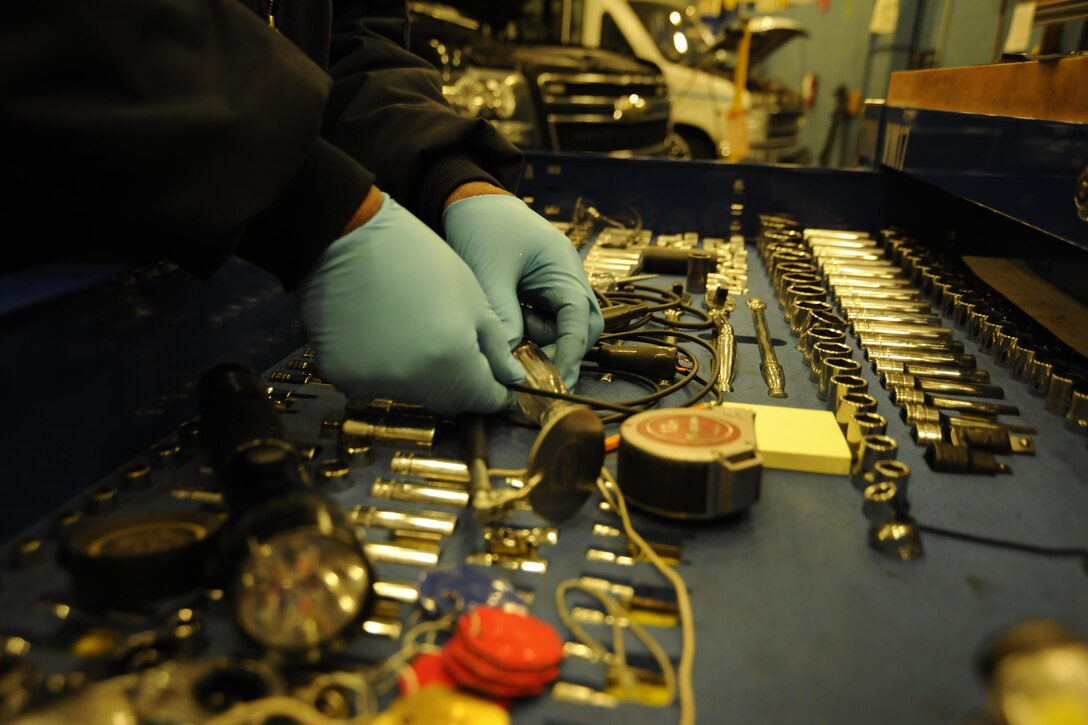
x,y
737,124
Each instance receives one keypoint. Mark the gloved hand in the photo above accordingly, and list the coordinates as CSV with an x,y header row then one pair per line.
x,y
514,253
395,313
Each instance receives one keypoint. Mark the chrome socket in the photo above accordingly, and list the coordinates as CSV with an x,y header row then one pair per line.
x,y
793,274
1041,370
925,433
845,236
1021,357
924,356
790,279
807,311
700,264
898,473
435,469
838,376
811,319
912,396
853,305
988,330
822,351
850,405
891,530
963,307
842,384
967,375
810,337
795,293
431,493
892,285
1076,419
1059,392
915,414
434,523
894,318
862,424
858,293
893,379
891,329
879,503
955,387
877,345
872,448
885,274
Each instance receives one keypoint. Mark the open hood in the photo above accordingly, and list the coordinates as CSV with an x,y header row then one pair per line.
x,y
487,11
769,33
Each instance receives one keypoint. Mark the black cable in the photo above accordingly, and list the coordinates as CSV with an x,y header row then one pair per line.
x,y
667,300
662,299
648,335
1015,545
645,402
704,324
571,397
631,378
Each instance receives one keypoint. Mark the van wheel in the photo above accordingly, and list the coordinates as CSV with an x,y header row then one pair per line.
x,y
700,145
676,147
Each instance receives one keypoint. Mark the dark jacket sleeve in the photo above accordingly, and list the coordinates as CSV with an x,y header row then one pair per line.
x,y
387,111
168,128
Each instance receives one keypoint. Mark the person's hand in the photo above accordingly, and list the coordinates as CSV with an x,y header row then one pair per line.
x,y
393,312
514,253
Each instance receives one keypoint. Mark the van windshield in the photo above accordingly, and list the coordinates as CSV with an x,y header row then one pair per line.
x,y
677,31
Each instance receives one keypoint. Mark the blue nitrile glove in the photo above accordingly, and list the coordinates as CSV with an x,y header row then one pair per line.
x,y
393,312
516,253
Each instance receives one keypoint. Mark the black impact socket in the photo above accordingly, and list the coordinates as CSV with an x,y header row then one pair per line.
x,y
950,458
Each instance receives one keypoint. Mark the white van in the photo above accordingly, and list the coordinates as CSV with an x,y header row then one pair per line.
x,y
698,71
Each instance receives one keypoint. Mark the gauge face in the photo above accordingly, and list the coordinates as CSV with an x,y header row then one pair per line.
x,y
300,589
149,538
141,557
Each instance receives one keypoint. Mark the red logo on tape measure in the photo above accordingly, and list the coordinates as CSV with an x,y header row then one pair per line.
x,y
689,430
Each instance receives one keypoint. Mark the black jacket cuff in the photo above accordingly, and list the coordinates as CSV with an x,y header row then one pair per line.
x,y
308,215
445,175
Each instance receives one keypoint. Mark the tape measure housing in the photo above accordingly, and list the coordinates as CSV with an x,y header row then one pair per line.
x,y
690,463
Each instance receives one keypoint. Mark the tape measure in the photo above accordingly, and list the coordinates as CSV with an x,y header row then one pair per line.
x,y
690,463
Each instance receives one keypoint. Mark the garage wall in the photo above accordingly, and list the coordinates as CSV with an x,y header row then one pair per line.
x,y
841,51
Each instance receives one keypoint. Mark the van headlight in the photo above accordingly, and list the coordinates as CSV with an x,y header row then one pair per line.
x,y
488,93
499,96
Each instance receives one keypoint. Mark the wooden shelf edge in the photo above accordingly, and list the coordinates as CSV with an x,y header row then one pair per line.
x,y
1050,90
1052,308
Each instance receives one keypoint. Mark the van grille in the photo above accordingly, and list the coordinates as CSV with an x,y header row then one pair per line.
x,y
602,112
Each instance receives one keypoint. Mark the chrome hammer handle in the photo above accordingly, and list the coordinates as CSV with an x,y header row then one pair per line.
x,y
768,366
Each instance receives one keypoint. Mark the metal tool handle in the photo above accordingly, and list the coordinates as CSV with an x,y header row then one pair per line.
x,y
474,439
726,344
769,367
775,379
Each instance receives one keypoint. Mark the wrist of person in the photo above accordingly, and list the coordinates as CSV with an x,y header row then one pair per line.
x,y
366,210
471,189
